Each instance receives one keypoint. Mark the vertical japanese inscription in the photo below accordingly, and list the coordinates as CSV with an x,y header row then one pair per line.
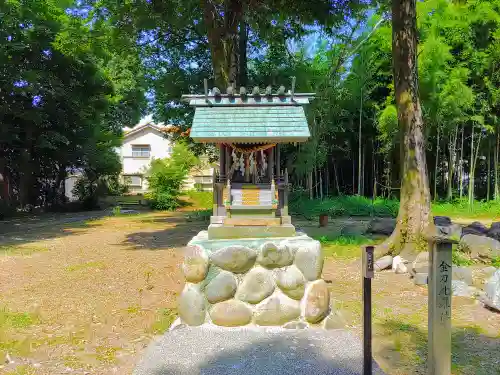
x,y
444,291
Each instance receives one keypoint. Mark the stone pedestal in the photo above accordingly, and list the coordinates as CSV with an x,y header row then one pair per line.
x,y
254,281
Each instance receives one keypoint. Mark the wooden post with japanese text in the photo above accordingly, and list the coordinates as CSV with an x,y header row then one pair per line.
x,y
439,319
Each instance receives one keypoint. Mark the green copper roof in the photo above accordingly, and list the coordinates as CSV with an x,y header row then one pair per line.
x,y
250,124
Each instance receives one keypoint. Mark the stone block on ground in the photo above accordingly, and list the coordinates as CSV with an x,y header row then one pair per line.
x,y
235,258
257,284
276,310
211,350
421,279
482,275
309,260
192,306
442,221
291,281
221,287
476,228
421,263
461,289
480,247
272,256
383,263
231,313
317,301
383,226
462,274
398,265
494,231
492,291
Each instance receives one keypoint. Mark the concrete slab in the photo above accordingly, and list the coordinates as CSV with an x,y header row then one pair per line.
x,y
209,350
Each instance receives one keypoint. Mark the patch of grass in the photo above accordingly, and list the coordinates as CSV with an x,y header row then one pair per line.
x,y
344,205
460,208
200,200
343,246
201,215
459,258
85,266
10,319
24,249
354,205
164,319
106,354
134,309
495,262
22,370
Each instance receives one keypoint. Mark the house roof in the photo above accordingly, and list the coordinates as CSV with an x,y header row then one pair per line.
x,y
250,124
251,118
138,128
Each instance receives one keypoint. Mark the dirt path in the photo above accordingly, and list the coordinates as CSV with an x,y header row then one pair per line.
x,y
93,295
87,298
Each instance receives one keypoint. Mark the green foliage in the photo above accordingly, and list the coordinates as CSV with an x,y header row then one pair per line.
x,y
67,89
166,176
343,206
495,262
200,199
343,246
460,208
459,258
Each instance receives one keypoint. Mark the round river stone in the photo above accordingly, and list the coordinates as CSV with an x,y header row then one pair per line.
x,y
232,313
195,264
291,281
256,285
276,310
192,306
221,287
272,256
309,260
317,301
236,258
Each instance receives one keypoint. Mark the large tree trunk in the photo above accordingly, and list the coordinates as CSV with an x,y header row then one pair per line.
x,y
415,202
223,39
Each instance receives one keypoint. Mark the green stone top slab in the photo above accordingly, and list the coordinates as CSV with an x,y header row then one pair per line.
x,y
250,124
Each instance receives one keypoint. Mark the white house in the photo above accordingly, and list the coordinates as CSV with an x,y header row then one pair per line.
x,y
141,144
146,141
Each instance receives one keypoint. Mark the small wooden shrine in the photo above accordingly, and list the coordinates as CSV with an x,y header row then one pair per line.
x,y
250,189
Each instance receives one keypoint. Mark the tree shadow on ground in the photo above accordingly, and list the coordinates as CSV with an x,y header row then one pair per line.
x,y
402,348
178,233
46,226
291,354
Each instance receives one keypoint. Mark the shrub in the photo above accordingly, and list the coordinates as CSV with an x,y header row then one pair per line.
x,y
166,176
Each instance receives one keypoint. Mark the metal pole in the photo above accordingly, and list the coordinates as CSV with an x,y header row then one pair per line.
x,y
368,272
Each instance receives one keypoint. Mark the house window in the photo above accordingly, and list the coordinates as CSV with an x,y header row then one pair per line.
x,y
133,180
141,151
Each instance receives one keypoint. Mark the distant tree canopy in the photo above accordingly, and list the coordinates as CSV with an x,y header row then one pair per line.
x,y
66,91
74,73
